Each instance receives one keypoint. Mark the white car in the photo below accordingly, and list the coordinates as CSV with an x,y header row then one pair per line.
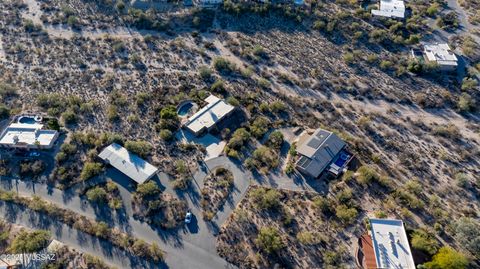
x,y
188,217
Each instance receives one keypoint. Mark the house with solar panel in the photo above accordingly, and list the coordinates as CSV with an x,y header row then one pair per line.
x,y
385,246
322,151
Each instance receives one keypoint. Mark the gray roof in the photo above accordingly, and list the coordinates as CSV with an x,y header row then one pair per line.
x,y
318,151
128,163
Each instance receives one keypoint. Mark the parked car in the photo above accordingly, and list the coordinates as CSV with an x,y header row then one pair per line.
x,y
188,217
33,154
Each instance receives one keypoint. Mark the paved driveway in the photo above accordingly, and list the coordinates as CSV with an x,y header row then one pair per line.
x,y
180,253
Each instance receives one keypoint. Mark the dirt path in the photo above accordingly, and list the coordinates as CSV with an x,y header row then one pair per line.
x,y
2,51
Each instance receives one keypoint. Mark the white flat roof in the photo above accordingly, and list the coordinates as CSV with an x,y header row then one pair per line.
x,y
390,244
209,115
440,53
29,134
128,163
391,8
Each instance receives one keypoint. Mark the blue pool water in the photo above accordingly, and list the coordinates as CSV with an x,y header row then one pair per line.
x,y
28,120
184,109
343,158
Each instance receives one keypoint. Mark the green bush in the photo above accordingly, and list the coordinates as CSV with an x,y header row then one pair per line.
x,y
90,169
275,139
345,214
467,233
366,175
447,258
259,127
141,148
424,241
223,65
147,189
266,199
28,242
166,134
205,72
269,240
97,195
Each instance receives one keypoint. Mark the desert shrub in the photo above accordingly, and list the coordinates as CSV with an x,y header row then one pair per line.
x,y
466,103
97,195
166,134
461,180
269,240
448,21
90,169
447,258
30,168
7,90
28,242
264,156
266,199
346,214
467,233
263,83
259,126
239,137
424,241
223,65
69,117
205,72
275,139
469,84
141,148
147,189
309,238
233,101
277,106
366,175
218,86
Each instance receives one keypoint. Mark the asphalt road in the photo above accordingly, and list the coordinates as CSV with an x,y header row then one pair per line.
x,y
180,252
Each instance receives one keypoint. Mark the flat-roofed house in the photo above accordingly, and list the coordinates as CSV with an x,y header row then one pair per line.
x,y
207,3
209,116
390,9
28,136
320,151
128,163
442,55
386,246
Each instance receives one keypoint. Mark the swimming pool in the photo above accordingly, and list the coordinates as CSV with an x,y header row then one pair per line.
x,y
27,120
342,159
185,109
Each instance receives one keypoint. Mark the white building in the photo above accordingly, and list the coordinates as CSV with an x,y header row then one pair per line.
x,y
390,244
28,136
207,3
128,163
442,55
390,9
207,117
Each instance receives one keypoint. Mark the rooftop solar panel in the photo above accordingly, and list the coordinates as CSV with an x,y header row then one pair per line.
x,y
314,143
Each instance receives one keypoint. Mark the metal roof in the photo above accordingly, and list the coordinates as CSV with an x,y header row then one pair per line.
x,y
390,8
440,53
209,115
318,151
390,244
128,163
